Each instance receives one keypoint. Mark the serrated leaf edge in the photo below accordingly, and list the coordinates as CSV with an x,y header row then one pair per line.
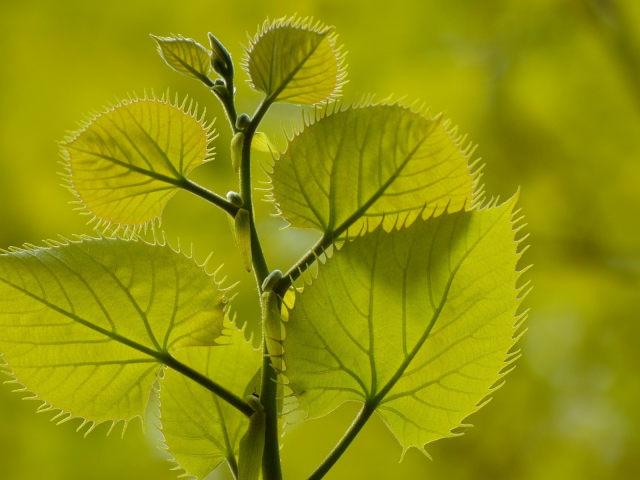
x,y
106,225
307,24
307,278
65,415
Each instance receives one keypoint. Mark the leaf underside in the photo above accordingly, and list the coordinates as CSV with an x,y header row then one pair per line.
x,y
127,163
417,322
365,165
199,429
83,322
184,55
293,61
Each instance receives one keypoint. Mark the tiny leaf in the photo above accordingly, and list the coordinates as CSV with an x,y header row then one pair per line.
x,y
252,447
293,61
357,167
185,56
127,163
416,323
242,235
200,430
86,324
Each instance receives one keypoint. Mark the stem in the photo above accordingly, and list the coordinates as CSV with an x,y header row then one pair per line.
x,y
228,104
294,272
207,383
345,441
209,196
271,468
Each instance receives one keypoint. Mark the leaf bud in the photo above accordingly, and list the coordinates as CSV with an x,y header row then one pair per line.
x,y
219,81
235,199
220,89
220,58
242,228
254,402
242,122
271,280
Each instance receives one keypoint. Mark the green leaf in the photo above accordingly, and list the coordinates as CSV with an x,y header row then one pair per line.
x,y
363,165
416,323
86,324
185,56
127,162
294,61
200,430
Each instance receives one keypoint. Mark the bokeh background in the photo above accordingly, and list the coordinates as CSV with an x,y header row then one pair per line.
x,y
550,89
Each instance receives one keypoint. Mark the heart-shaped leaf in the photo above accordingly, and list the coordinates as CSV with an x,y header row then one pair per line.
x,y
416,323
86,324
127,162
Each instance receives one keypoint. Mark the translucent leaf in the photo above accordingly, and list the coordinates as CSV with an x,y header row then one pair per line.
x,y
200,430
365,164
293,61
85,324
417,323
127,162
185,56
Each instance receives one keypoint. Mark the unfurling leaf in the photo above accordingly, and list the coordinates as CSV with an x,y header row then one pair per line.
x,y
293,61
416,323
201,430
355,168
237,143
242,232
127,163
252,443
86,324
185,56
272,328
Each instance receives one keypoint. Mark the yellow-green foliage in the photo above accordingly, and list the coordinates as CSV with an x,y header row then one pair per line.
x,y
294,61
127,162
417,323
86,322
365,163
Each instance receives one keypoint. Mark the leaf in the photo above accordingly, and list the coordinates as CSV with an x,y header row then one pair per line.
x,y
417,323
293,61
363,165
87,324
127,162
185,56
252,448
200,430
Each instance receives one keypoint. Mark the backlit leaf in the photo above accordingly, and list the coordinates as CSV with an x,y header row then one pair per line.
x,y
355,167
200,430
85,324
417,323
185,56
127,163
294,61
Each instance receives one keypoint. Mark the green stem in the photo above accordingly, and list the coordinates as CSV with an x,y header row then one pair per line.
x,y
271,457
207,383
228,104
345,441
209,196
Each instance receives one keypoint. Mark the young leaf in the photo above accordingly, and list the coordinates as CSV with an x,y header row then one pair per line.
x,y
293,61
127,163
200,430
185,56
252,448
415,323
365,164
86,324
242,235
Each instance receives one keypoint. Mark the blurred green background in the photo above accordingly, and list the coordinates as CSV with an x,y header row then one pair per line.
x,y
550,89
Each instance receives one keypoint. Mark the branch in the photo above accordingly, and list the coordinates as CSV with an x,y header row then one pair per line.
x,y
209,196
345,441
207,383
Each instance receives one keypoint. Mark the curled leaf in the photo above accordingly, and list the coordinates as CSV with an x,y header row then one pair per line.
x,y
185,56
